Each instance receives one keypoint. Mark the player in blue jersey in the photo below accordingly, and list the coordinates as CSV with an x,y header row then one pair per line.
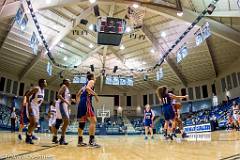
x,y
86,111
166,99
148,121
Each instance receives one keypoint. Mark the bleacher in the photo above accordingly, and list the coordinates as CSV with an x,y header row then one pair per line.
x,y
132,125
218,114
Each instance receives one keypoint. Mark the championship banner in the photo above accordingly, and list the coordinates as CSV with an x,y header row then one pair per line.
x,y
198,37
159,74
34,43
19,15
198,128
202,34
24,22
49,69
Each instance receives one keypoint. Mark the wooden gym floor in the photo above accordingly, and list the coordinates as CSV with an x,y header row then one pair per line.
x,y
217,145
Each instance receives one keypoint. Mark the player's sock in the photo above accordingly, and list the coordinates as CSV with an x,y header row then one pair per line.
x,y
170,136
62,141
92,142
54,139
29,139
34,137
184,135
165,133
80,142
174,133
20,137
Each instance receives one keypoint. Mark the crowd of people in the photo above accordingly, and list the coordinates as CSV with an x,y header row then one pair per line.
x,y
224,115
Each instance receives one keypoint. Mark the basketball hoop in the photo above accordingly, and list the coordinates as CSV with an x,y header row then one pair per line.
x,y
101,113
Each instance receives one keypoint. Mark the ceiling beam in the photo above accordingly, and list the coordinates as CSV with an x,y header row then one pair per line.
x,y
189,16
56,40
69,27
217,28
9,28
9,10
226,14
160,51
212,57
30,66
122,60
91,53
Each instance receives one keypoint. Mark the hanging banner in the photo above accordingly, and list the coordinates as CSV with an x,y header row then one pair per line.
x,y
49,69
34,43
19,15
202,34
198,37
24,23
159,74
206,31
182,53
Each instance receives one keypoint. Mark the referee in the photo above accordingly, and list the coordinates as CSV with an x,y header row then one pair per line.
x,y
13,120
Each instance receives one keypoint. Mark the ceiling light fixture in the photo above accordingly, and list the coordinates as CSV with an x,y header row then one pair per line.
x,y
180,14
91,27
163,34
128,29
62,45
122,47
179,8
135,5
152,50
92,1
48,1
91,45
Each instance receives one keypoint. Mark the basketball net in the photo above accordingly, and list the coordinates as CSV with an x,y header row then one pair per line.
x,y
102,113
135,16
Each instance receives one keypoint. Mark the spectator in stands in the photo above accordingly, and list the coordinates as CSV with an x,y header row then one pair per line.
x,y
228,94
235,111
214,122
13,119
229,121
214,100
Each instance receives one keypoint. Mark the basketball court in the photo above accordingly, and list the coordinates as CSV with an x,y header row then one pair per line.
x,y
168,67
217,145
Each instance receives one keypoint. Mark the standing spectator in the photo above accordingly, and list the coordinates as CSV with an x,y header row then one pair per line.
x,y
214,100
235,111
228,95
13,119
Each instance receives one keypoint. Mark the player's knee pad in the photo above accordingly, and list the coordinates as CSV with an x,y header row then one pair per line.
x,y
81,125
58,123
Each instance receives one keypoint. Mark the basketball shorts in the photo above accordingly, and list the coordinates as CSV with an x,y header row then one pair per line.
x,y
235,117
35,112
148,123
62,110
52,121
85,109
168,112
58,123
